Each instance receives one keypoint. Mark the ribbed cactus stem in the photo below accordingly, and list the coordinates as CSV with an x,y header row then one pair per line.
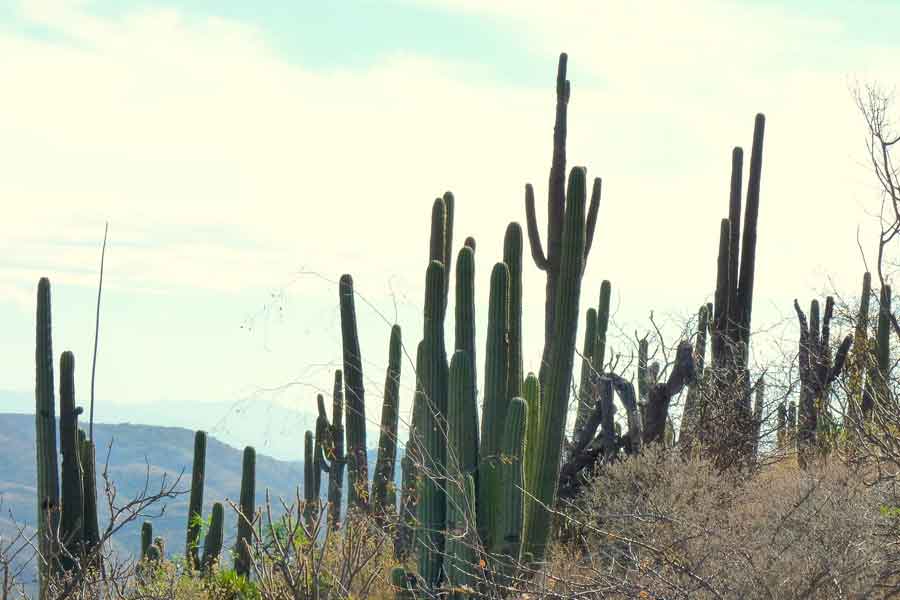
x,y
441,241
856,397
358,472
45,437
559,370
465,304
510,525
195,506
599,354
434,377
336,476
462,464
146,538
383,494
462,543
883,346
512,257
403,584
532,393
88,462
310,473
212,544
691,416
585,386
462,418
247,515
495,402
72,530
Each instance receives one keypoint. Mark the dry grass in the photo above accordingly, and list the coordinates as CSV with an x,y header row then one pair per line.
x,y
660,527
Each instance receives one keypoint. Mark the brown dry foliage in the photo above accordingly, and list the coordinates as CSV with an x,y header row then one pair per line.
x,y
658,526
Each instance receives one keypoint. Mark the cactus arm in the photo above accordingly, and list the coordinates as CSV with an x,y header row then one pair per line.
x,y
534,234
593,211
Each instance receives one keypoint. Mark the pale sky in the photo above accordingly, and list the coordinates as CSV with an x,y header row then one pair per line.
x,y
246,157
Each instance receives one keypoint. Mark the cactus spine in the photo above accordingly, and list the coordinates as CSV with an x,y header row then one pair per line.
x,y
45,437
195,506
72,530
358,473
383,493
212,544
247,513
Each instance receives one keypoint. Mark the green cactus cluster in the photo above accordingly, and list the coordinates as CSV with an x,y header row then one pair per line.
x,y
66,499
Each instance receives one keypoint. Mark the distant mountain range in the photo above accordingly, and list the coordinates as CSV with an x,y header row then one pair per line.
x,y
167,451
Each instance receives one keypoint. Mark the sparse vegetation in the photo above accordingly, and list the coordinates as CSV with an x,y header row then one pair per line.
x,y
736,495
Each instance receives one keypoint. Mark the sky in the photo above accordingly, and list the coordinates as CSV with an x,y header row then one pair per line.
x,y
246,157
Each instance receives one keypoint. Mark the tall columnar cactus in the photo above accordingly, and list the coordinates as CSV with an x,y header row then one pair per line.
x,y
817,373
358,472
758,415
247,515
880,377
383,493
858,401
404,584
336,476
510,524
45,437
553,261
595,355
146,538
88,466
411,465
195,506
434,377
441,241
465,304
495,402
512,258
462,544
692,404
532,394
728,419
599,354
554,403
311,481
586,383
72,530
462,421
212,543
